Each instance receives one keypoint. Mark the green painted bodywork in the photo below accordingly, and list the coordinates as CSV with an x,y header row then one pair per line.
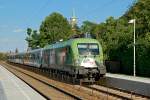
x,y
74,57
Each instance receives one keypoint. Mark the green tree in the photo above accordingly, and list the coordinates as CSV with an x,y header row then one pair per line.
x,y
3,56
117,38
140,11
29,31
54,28
33,38
28,38
88,26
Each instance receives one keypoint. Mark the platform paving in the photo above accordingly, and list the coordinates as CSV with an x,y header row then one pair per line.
x,y
12,88
131,78
138,85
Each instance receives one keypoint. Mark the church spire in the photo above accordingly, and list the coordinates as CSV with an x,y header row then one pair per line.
x,y
73,19
73,13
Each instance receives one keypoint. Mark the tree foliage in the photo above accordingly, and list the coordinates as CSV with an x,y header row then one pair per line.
x,y
33,38
116,36
54,28
88,26
3,56
140,11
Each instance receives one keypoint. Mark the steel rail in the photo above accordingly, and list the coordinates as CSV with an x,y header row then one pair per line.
x,y
50,85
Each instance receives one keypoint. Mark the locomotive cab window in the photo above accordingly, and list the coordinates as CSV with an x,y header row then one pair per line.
x,y
88,49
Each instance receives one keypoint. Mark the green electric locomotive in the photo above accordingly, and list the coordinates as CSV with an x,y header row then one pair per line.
x,y
81,58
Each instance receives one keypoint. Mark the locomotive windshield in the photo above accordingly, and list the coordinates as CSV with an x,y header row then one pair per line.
x,y
88,49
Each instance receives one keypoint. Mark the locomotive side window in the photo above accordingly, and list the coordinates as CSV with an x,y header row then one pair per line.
x,y
88,49
52,56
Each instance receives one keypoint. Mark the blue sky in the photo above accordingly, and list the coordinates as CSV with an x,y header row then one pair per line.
x,y
17,15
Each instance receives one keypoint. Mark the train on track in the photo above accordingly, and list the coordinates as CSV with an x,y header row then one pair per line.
x,y
80,58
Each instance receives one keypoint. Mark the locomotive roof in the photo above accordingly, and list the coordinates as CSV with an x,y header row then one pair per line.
x,y
61,44
70,42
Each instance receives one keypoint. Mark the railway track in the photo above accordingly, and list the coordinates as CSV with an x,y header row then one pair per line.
x,y
125,95
46,90
69,88
86,92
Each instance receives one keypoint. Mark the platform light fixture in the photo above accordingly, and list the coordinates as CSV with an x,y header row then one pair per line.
x,y
134,64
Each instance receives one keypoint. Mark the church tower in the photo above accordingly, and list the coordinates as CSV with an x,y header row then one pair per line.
x,y
73,21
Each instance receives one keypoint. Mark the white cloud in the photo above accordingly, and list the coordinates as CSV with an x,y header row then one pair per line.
x,y
18,30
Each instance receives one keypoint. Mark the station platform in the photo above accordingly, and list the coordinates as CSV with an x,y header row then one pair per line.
x,y
12,88
137,85
131,78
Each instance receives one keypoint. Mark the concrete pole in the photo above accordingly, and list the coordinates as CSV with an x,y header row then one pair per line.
x,y
134,52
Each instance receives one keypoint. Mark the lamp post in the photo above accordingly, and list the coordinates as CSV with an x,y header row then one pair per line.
x,y
134,64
